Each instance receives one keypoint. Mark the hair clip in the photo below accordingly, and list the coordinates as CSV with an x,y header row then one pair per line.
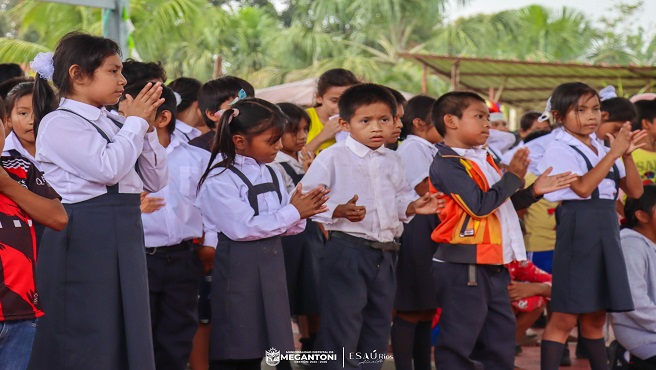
x,y
607,92
547,112
43,65
178,98
235,113
240,95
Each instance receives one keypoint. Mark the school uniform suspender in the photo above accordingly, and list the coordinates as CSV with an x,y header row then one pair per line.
x,y
14,153
614,175
296,178
111,189
255,190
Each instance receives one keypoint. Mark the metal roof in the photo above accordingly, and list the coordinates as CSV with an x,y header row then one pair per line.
x,y
528,84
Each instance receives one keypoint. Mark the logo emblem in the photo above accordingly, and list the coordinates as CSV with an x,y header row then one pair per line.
x,y
272,357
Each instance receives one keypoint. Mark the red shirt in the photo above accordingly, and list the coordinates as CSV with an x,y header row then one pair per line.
x,y
18,297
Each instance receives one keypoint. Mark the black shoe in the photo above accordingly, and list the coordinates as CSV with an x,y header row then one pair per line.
x,y
518,349
566,360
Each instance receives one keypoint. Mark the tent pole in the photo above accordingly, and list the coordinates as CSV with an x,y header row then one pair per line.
x,y
424,80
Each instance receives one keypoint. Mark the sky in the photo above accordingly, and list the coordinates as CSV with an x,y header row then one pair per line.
x,y
593,8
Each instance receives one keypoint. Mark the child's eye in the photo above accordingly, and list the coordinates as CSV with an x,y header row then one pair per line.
x,y
365,121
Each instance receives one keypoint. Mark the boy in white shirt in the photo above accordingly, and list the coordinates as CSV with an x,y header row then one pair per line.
x,y
369,202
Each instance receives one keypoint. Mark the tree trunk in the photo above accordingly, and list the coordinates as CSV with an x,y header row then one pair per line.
x,y
218,67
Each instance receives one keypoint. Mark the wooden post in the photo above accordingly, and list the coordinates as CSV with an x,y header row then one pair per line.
x,y
424,81
218,67
455,75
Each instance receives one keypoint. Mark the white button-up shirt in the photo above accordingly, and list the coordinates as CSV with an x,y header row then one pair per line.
x,y
417,154
376,176
185,132
511,232
179,219
223,201
296,165
79,163
13,143
563,158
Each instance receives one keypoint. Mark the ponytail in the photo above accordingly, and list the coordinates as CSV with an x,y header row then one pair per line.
x,y
43,101
223,144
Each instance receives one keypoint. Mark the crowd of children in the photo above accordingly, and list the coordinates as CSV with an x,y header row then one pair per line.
x,y
146,226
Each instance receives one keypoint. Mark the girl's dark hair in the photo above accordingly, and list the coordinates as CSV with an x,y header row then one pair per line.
x,y
453,103
135,71
188,89
3,114
216,92
566,96
620,110
645,203
335,77
20,90
418,107
534,135
527,120
82,49
646,110
255,117
9,71
169,102
6,86
295,115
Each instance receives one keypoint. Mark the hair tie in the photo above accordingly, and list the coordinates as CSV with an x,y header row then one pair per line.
x,y
547,112
235,113
240,95
43,65
607,92
178,98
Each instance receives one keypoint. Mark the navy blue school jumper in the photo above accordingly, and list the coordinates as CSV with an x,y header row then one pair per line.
x,y
92,275
589,273
250,308
302,253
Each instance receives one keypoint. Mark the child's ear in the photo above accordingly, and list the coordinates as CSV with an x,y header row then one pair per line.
x,y
642,217
646,123
239,141
345,125
163,119
418,124
76,73
451,121
211,115
604,116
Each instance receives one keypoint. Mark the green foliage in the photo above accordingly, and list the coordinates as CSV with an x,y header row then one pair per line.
x,y
302,38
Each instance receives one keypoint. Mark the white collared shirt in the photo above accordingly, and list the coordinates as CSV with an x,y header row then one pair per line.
x,y
507,156
296,165
79,163
223,201
511,232
417,154
563,158
376,176
537,147
500,141
179,219
13,143
185,132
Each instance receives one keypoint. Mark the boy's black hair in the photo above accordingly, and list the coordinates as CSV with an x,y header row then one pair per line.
x,y
18,91
295,115
216,92
453,103
566,97
534,135
645,203
646,110
188,89
169,102
338,77
135,72
400,99
255,117
418,107
528,119
360,95
620,110
9,71
85,50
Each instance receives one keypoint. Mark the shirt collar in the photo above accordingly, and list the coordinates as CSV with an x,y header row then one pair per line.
x,y
11,142
85,110
284,157
173,144
183,126
473,153
360,149
247,164
568,139
420,139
